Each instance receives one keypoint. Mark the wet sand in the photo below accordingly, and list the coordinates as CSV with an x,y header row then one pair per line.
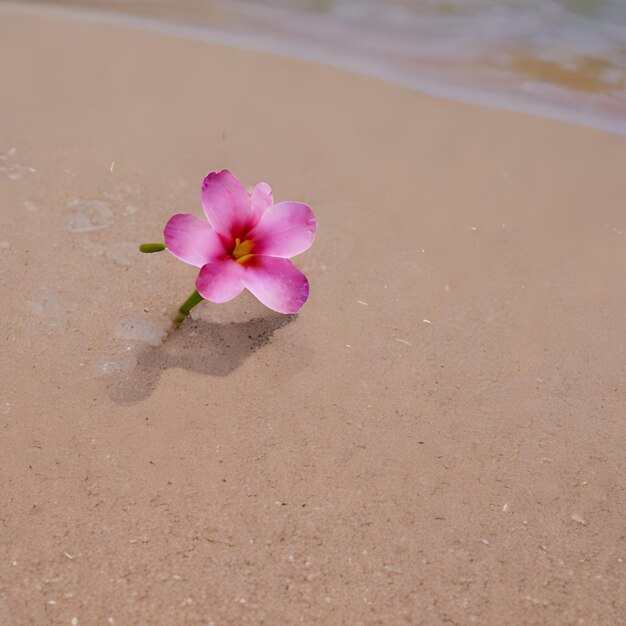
x,y
437,438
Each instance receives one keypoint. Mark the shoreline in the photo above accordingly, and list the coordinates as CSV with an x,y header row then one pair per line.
x,y
420,82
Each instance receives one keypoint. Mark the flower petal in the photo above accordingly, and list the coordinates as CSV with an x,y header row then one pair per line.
x,y
286,229
261,200
192,239
220,281
277,283
226,203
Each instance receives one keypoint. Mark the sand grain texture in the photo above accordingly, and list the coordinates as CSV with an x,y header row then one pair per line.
x,y
437,438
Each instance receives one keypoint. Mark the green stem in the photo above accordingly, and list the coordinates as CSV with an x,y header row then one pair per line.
x,y
151,247
185,308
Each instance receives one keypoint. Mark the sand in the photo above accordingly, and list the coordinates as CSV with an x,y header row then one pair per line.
x,y
437,438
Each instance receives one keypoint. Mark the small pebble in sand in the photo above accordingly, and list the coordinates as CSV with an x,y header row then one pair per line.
x,y
52,602
74,621
427,321
473,228
112,166
578,519
361,302
505,507
485,541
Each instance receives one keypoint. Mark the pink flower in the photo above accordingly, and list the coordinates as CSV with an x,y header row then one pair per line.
x,y
246,243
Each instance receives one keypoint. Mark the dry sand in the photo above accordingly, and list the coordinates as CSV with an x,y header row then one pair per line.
x,y
437,438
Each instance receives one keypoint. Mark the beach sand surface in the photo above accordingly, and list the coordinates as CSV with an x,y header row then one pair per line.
x,y
437,438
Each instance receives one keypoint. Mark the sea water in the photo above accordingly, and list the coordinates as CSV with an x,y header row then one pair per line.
x,y
564,59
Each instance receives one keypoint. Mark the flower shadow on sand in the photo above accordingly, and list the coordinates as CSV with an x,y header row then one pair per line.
x,y
197,345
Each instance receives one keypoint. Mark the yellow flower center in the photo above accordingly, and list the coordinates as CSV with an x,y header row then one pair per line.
x,y
242,251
